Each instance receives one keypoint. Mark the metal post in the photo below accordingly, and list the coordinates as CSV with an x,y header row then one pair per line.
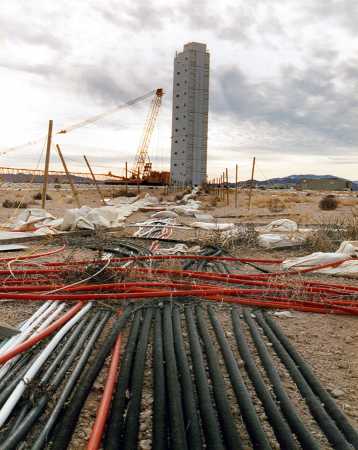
x,y
227,187
47,164
94,180
73,189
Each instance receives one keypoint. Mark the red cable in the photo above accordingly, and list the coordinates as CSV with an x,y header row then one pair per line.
x,y
94,442
37,255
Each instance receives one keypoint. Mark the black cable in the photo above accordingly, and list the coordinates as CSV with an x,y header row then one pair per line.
x,y
273,413
160,434
192,420
115,422
297,426
330,405
248,412
229,430
176,416
209,418
333,434
85,383
130,437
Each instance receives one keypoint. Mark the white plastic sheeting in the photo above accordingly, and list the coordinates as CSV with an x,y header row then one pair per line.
x,y
179,249
346,250
280,225
105,216
34,219
165,215
281,233
38,221
213,226
272,240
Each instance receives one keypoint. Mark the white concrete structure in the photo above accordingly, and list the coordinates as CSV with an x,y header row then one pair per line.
x,y
190,115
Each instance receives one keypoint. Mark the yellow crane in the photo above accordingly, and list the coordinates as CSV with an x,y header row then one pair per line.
x,y
142,166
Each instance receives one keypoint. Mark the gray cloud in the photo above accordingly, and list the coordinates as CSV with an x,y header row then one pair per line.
x,y
306,105
303,101
343,13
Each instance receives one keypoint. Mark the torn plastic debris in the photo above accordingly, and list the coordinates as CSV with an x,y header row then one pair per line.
x,y
346,250
32,219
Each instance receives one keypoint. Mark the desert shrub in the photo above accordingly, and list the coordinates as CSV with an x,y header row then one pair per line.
x,y
328,203
123,193
38,196
14,204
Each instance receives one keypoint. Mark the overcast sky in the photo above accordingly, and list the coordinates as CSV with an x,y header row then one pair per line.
x,y
283,86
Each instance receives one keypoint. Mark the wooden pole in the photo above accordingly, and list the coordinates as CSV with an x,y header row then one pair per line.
x,y
73,189
126,177
94,180
236,180
47,164
227,187
223,189
252,180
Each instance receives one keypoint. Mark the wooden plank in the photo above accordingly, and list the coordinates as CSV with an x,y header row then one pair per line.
x,y
95,181
47,164
73,188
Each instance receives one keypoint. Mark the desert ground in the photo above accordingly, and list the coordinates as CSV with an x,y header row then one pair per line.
x,y
329,343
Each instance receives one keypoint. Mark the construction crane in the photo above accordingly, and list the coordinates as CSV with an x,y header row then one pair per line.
x,y
142,166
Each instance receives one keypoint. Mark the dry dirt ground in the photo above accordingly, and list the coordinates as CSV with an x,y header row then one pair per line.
x,y
329,343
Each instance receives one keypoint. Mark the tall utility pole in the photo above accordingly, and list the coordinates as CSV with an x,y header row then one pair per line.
x,y
73,189
94,180
47,164
236,180
252,180
227,186
126,176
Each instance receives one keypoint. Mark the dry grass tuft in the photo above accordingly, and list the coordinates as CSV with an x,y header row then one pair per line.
x,y
348,201
276,205
213,202
244,236
14,204
331,233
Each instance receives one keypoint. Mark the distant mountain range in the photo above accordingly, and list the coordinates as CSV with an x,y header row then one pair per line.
x,y
28,178
293,180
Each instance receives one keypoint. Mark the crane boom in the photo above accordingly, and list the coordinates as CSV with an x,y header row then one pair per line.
x,y
83,122
142,165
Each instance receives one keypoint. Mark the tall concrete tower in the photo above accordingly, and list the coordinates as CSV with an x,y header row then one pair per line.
x,y
190,115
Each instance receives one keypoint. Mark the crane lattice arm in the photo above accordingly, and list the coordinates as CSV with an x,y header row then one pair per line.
x,y
82,123
143,165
